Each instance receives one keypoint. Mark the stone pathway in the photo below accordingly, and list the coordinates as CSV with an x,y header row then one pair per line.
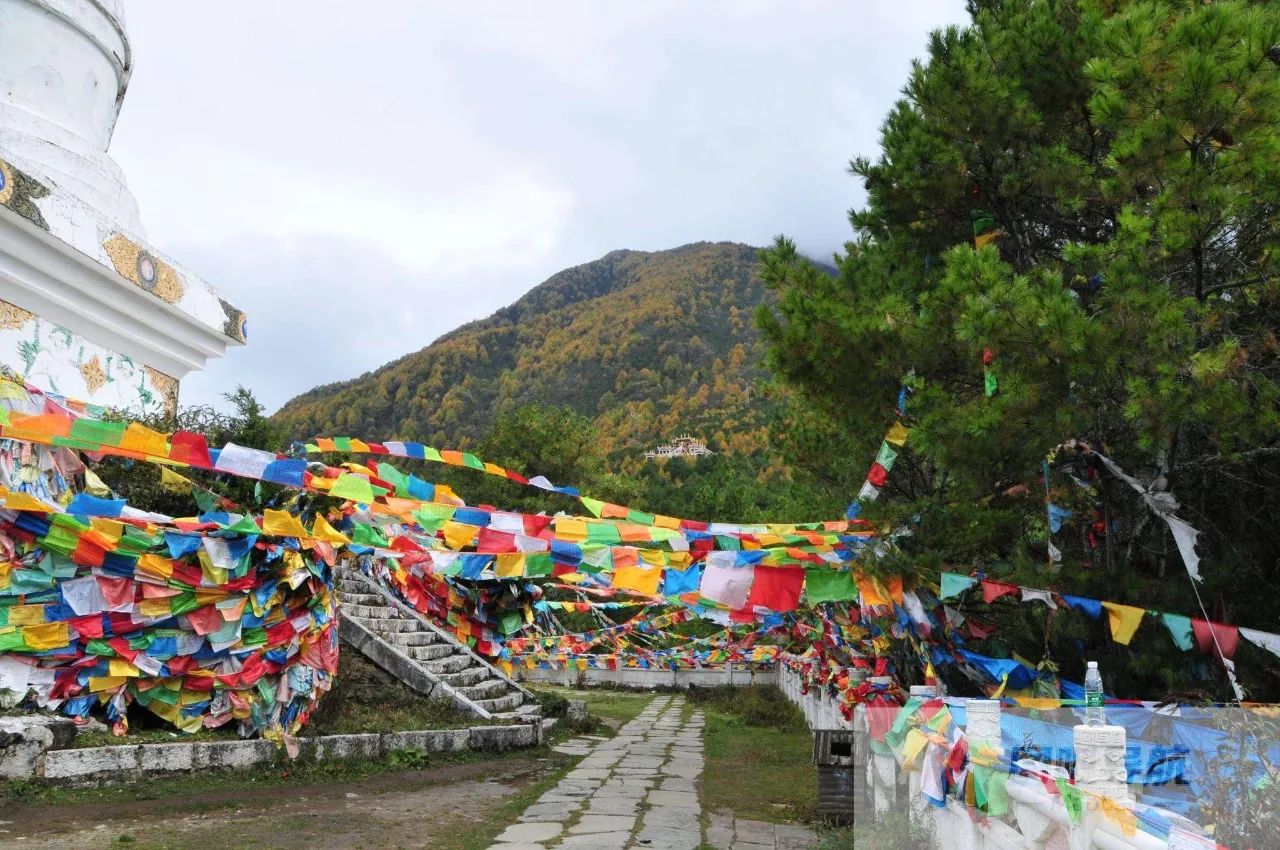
x,y
638,789
724,832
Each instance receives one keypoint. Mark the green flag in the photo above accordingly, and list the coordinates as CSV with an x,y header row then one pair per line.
x,y
954,585
1072,799
822,584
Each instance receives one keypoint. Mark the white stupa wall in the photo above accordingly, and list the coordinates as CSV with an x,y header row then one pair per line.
x,y
88,308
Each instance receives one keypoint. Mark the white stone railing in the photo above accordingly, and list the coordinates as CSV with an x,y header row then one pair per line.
x,y
740,675
1035,820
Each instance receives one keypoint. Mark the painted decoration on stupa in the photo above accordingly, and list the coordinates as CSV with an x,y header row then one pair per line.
x,y
54,358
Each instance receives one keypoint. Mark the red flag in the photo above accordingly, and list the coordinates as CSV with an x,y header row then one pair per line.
x,y
1228,637
993,590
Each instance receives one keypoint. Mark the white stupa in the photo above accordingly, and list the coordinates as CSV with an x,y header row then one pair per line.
x,y
88,308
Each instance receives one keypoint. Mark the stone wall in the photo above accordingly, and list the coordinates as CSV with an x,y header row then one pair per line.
x,y
631,677
35,752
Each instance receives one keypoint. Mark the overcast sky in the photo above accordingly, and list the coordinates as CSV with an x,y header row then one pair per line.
x,y
361,178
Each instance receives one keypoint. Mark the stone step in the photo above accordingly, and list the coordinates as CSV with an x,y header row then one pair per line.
x,y
488,689
389,626
430,652
364,612
452,664
506,703
357,586
371,599
471,675
425,637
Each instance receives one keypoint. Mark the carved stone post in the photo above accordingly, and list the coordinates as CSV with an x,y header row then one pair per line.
x,y
918,807
1100,763
883,772
1100,770
983,726
861,763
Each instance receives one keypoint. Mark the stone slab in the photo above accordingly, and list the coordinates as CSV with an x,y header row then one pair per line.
x,y
92,762
603,823
166,758
530,833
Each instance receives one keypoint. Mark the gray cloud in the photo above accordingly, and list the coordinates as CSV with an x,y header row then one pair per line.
x,y
363,179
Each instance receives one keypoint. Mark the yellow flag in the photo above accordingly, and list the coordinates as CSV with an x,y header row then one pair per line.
x,y
1124,620
282,524
897,435
323,531
913,746
173,482
97,684
571,528
26,615
985,239
108,528
640,578
23,502
509,565
47,636
155,565
94,485
459,535
118,667
139,438
1119,813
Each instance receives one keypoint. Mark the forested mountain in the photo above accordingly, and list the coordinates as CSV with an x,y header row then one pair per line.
x,y
645,345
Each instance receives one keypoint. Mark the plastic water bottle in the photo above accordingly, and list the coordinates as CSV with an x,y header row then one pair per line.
x,y
1094,712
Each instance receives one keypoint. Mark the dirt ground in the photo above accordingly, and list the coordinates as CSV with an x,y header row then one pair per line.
x,y
434,808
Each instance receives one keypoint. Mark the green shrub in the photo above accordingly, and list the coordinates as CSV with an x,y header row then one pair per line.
x,y
756,705
414,758
553,704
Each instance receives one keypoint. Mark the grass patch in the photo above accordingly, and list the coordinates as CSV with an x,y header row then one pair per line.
x,y
758,755
757,705
619,706
894,831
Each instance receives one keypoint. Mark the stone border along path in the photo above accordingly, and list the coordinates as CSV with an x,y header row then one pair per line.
x,y
639,790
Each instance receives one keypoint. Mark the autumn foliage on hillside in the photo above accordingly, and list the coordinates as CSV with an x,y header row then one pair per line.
x,y
620,354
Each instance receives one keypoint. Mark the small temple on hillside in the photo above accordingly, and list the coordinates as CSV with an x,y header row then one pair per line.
x,y
89,309
682,446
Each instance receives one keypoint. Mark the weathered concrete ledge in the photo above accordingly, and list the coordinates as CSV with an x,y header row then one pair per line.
x,y
136,761
739,675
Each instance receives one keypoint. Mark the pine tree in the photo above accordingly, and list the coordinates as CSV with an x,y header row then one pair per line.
x,y
1118,164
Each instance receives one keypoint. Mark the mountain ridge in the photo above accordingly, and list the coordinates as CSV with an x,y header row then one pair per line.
x,y
641,342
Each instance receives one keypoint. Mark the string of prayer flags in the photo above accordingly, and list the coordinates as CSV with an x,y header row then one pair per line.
x,y
878,474
1123,620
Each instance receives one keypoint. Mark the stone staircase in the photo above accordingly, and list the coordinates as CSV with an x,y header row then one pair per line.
x,y
423,656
